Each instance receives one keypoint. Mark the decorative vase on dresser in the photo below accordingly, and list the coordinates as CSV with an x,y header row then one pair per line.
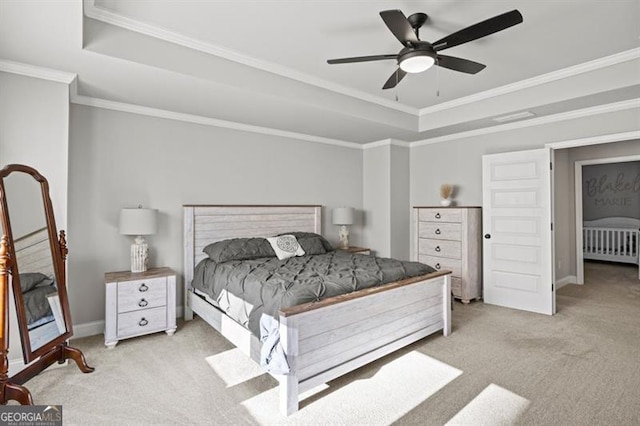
x,y
449,238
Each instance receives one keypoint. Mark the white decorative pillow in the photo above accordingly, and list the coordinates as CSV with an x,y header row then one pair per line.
x,y
285,246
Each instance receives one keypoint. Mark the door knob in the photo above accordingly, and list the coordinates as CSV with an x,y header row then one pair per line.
x,y
487,236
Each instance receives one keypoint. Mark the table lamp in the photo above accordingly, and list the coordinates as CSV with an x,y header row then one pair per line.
x,y
138,222
343,216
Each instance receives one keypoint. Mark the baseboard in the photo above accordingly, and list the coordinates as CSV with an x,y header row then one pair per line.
x,y
569,279
97,327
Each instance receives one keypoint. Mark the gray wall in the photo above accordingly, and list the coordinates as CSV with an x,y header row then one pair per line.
x,y
459,162
121,160
34,117
611,190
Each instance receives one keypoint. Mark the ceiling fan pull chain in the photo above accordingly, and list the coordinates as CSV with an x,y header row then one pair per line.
x,y
437,78
396,87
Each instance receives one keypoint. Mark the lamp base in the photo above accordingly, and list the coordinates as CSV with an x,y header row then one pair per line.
x,y
344,237
139,255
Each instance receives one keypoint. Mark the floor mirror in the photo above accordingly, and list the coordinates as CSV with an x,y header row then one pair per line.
x,y
32,262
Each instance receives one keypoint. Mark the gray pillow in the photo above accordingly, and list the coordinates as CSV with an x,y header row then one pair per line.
x,y
311,243
239,249
30,280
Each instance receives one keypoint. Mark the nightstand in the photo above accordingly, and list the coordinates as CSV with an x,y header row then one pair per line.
x,y
139,303
355,250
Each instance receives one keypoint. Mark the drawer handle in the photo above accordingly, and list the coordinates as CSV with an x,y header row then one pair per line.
x,y
143,322
143,287
142,303
437,266
438,249
437,215
438,231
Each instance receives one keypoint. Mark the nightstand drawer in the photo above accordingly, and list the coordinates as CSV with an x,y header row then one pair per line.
x,y
142,321
443,264
140,294
437,248
440,215
440,231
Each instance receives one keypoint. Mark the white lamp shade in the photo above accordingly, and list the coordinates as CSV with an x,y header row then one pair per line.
x,y
138,221
343,216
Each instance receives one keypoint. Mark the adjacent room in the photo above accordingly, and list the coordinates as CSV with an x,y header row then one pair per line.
x,y
315,212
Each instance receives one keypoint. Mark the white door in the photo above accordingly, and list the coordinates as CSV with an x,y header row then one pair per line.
x,y
516,221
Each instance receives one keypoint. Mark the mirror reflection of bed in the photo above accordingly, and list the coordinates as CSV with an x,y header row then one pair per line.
x,y
39,291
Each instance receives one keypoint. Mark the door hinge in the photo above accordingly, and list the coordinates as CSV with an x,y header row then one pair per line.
x,y
550,166
551,287
552,226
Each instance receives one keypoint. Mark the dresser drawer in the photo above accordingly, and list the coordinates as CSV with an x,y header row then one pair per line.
x,y
139,294
443,264
440,215
440,231
142,321
437,248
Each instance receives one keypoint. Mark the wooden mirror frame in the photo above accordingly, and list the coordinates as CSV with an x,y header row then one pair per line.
x,y
57,349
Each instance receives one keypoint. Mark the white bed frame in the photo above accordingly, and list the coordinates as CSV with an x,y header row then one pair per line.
x,y
613,239
318,346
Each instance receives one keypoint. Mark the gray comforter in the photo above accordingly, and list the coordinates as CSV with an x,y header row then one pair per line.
x,y
246,289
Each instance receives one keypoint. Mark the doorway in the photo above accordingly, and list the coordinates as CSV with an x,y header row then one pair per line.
x,y
579,220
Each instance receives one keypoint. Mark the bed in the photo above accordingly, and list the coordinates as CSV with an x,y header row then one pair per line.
x,y
317,344
613,239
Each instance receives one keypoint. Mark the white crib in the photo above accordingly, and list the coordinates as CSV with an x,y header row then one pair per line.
x,y
613,239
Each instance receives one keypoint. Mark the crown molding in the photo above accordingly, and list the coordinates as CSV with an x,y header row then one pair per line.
x,y
387,142
36,72
108,17
563,116
595,140
207,121
607,61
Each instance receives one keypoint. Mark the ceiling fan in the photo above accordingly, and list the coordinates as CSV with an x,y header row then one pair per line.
x,y
418,55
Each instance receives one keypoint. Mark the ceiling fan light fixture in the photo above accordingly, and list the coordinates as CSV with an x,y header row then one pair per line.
x,y
417,61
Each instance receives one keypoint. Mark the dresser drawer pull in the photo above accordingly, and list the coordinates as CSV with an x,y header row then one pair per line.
x,y
437,215
438,231
143,322
143,287
142,303
437,266
438,249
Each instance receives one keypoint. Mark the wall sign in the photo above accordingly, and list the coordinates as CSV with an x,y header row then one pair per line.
x,y
611,190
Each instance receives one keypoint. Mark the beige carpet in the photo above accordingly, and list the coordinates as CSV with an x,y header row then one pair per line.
x,y
499,366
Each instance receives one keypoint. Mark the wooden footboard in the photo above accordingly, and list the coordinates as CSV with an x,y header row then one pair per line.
x,y
328,339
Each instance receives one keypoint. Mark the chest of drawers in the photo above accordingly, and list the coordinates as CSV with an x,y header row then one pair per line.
x,y
139,303
449,238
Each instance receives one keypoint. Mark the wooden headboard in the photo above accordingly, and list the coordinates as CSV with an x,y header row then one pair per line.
x,y
206,224
33,253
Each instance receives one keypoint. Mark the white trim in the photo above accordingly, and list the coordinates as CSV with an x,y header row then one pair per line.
x,y
207,121
607,61
94,12
578,197
386,142
595,140
87,329
569,279
563,116
36,72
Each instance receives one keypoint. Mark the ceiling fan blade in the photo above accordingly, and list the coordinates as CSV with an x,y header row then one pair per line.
x,y
395,78
479,30
459,64
362,59
399,26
